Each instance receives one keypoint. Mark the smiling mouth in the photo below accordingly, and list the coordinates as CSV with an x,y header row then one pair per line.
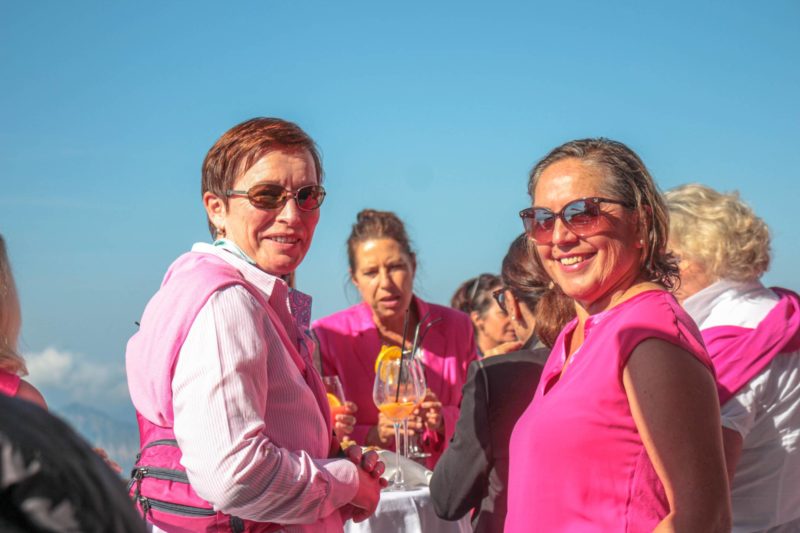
x,y
573,260
284,240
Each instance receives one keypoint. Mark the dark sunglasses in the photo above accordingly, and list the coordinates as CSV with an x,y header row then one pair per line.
x,y
499,296
582,217
274,196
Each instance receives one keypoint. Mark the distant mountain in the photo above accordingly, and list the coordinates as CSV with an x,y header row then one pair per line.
x,y
119,439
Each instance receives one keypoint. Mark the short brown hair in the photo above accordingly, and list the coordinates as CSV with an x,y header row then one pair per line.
x,y
374,224
524,276
243,145
629,181
475,294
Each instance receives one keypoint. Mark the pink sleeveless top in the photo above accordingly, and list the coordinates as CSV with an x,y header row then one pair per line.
x,y
9,383
577,460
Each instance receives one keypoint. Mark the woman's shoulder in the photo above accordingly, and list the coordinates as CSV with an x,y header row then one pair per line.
x,y
657,308
354,318
657,315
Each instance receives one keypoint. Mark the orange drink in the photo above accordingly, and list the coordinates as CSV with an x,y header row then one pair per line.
x,y
336,405
397,410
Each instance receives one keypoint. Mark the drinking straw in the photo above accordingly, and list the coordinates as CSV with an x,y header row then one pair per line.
x,y
402,356
427,329
416,333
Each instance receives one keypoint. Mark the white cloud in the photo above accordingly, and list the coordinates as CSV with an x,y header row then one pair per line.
x,y
76,378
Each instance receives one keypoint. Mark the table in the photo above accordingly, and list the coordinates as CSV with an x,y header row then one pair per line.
x,y
407,511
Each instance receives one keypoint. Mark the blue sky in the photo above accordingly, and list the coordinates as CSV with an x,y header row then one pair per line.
x,y
436,110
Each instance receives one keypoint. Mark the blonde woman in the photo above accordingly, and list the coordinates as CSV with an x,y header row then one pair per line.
x,y
753,337
12,365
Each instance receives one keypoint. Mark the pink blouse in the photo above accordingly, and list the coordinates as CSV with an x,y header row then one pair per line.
x,y
577,460
349,344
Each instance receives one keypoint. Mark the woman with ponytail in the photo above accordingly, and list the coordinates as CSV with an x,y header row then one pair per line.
x,y
473,472
382,267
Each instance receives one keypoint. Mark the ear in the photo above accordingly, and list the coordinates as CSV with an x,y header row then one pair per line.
x,y
645,226
215,209
477,321
352,277
512,304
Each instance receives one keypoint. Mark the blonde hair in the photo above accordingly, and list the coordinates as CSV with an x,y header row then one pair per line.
x,y
10,318
719,232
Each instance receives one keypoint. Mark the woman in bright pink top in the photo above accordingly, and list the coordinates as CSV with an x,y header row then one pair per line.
x,y
623,432
12,365
382,266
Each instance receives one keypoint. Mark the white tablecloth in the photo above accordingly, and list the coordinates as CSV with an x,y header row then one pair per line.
x,y
407,511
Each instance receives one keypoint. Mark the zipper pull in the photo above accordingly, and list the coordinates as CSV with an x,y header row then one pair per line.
x,y
145,503
138,474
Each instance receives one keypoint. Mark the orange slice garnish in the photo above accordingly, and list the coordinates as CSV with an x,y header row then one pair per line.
x,y
388,353
333,401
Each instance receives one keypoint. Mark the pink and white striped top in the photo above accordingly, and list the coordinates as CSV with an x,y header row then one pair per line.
x,y
253,437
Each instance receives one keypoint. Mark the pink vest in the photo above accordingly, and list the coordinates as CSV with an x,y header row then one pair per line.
x,y
159,484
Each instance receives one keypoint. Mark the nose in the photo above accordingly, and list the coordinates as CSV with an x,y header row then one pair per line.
x,y
562,234
289,213
384,280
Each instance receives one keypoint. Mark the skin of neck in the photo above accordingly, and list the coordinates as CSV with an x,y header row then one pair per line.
x,y
627,287
392,330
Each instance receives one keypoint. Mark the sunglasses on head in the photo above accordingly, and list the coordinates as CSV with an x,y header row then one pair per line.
x,y
581,217
274,196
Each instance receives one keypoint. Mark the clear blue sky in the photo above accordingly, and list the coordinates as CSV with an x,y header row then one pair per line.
x,y
436,110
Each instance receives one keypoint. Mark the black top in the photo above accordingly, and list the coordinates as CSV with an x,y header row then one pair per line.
x,y
473,471
51,480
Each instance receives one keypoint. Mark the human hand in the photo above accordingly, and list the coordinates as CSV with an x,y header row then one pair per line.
x,y
367,496
344,420
506,347
385,430
431,411
370,462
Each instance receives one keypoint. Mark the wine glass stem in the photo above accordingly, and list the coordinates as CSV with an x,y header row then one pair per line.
x,y
406,439
398,473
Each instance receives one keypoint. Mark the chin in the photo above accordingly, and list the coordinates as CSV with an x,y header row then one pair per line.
x,y
278,268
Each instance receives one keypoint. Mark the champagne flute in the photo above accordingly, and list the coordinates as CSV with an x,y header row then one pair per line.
x,y
412,448
335,393
396,392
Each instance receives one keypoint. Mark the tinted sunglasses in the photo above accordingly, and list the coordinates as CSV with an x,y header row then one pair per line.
x,y
499,296
582,217
274,196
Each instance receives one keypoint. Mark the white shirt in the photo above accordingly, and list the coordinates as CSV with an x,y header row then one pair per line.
x,y
766,412
253,439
